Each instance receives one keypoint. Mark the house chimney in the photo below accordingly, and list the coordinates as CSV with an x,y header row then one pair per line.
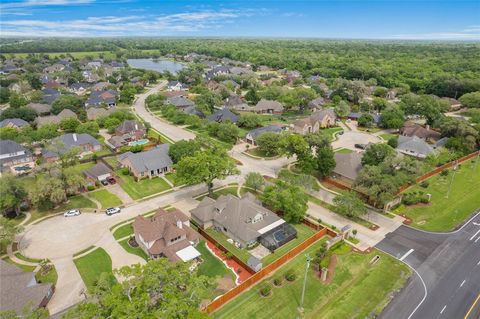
x,y
74,135
179,224
136,126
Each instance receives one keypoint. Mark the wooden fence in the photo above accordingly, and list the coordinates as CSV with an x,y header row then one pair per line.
x,y
259,276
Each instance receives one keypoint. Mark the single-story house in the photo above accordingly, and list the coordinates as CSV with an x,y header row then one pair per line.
x,y
94,113
86,144
244,220
13,123
425,133
414,146
347,166
224,115
235,102
268,107
98,173
317,103
176,86
98,98
55,119
354,116
179,102
166,234
20,288
50,96
15,158
40,108
255,133
149,164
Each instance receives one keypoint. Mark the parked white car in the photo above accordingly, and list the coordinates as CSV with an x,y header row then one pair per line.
x,y
112,210
71,213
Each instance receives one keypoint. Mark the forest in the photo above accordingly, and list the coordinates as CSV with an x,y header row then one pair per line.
x,y
442,68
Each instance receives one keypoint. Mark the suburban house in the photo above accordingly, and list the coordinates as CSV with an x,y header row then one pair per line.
x,y
55,119
244,220
98,98
224,115
166,234
49,96
86,144
15,158
151,163
255,133
94,113
354,116
347,166
179,102
319,119
235,102
57,67
13,123
20,288
268,107
97,173
425,133
100,86
414,146
317,103
79,88
40,108
131,130
176,86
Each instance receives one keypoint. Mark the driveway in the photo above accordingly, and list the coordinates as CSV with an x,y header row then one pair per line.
x,y
118,190
173,132
349,138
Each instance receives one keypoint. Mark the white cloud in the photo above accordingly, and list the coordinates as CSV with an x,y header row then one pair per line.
x,y
469,33
37,3
148,25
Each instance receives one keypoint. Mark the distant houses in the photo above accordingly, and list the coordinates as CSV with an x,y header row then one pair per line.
x,y
13,123
102,98
425,133
224,115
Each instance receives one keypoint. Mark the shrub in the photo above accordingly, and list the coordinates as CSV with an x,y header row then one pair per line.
x,y
278,281
444,172
424,184
415,197
290,275
354,232
125,171
90,187
266,289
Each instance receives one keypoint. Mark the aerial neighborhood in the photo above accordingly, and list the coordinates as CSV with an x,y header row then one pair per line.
x,y
239,178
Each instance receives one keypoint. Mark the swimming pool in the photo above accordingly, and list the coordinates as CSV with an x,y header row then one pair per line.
x,y
138,142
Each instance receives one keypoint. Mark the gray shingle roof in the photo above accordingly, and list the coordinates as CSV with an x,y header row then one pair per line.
x,y
261,130
70,140
223,116
348,165
413,146
97,170
128,126
179,101
13,122
265,105
156,158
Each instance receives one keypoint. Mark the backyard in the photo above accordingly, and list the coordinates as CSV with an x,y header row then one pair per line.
x,y
105,198
367,288
92,265
442,213
211,266
142,188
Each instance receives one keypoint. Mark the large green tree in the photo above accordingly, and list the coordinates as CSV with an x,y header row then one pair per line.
x,y
254,181
12,192
377,153
183,149
288,199
349,204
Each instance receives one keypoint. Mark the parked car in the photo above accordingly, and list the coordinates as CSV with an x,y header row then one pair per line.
x,y
111,180
360,146
112,211
71,213
104,182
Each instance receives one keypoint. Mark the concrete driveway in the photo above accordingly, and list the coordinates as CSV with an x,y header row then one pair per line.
x,y
349,138
173,132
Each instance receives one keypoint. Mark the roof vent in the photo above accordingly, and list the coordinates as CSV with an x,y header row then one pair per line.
x,y
74,136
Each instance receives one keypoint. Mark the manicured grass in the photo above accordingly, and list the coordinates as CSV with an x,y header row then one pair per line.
x,y
303,232
387,136
23,267
211,266
24,258
83,251
443,214
133,250
112,161
75,202
51,276
358,290
258,153
172,177
105,198
224,191
124,231
344,151
329,131
92,265
242,254
142,188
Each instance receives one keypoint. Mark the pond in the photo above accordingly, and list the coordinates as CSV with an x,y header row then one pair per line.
x,y
155,65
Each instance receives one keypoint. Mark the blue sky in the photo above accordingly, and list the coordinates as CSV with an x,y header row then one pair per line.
x,y
361,19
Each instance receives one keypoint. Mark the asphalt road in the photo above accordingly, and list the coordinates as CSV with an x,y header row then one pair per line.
x,y
446,283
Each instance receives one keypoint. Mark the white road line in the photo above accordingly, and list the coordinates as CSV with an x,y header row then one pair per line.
x,y
478,264
477,239
463,283
478,231
443,309
406,254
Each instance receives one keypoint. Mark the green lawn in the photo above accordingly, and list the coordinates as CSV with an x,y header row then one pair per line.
x,y
443,214
387,136
172,177
51,276
358,290
303,232
124,231
23,267
142,188
259,153
224,191
112,161
24,258
329,131
133,250
242,254
344,151
92,265
77,201
211,266
105,198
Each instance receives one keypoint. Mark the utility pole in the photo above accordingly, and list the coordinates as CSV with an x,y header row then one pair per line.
x,y
304,283
451,181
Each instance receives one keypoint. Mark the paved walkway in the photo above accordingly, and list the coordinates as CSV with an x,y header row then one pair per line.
x,y
118,190
173,132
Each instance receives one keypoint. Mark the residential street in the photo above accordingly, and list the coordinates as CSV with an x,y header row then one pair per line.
x,y
447,279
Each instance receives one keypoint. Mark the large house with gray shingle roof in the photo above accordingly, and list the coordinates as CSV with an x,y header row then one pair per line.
x,y
244,220
13,123
151,163
86,144
268,107
252,135
347,166
414,146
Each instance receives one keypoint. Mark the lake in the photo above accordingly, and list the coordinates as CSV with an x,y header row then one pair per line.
x,y
155,65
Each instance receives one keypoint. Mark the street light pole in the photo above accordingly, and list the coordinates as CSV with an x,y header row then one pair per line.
x,y
304,282
451,181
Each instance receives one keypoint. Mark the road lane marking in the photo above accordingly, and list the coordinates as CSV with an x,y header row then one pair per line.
x,y
471,308
463,283
477,239
408,253
443,309
478,231
478,263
